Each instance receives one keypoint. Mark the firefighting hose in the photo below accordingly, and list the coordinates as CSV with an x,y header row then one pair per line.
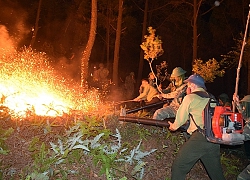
x,y
240,60
145,121
164,101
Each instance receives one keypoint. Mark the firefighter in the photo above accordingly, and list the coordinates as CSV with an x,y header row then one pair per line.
x,y
149,94
129,85
224,100
176,90
177,77
102,73
243,107
151,81
196,147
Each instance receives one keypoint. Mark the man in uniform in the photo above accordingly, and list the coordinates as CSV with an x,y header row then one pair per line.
x,y
197,147
149,94
243,107
176,91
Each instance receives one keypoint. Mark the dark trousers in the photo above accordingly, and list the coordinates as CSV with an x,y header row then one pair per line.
x,y
197,148
247,148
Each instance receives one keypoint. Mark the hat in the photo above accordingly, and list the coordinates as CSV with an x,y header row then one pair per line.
x,y
246,98
196,79
178,71
224,97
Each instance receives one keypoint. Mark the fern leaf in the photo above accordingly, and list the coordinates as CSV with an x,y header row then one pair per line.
x,y
94,143
138,167
79,146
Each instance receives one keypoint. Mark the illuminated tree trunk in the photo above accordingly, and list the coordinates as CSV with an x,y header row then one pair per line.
x,y
87,51
108,34
36,24
144,29
195,38
117,43
248,75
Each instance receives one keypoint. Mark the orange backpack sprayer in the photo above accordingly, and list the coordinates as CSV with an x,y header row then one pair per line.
x,y
222,125
227,124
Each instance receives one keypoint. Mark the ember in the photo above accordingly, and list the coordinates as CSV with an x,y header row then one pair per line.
x,y
29,85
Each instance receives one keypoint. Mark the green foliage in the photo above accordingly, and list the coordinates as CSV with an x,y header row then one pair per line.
x,y
4,134
91,126
106,160
230,165
143,133
33,146
208,70
231,59
135,130
41,167
106,153
177,140
75,156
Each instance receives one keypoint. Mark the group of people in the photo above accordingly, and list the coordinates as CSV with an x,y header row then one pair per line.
x,y
100,76
184,103
152,93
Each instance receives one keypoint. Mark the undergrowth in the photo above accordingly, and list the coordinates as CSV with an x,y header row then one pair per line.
x,y
87,145
79,142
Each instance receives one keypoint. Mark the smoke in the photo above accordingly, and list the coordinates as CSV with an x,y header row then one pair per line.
x,y
13,18
6,43
69,69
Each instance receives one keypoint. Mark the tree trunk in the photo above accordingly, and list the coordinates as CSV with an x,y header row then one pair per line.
x,y
144,29
36,24
117,43
195,37
107,35
248,75
87,51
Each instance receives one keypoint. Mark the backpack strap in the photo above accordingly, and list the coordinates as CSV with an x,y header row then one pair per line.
x,y
202,94
198,127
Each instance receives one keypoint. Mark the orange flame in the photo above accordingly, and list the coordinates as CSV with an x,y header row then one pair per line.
x,y
29,84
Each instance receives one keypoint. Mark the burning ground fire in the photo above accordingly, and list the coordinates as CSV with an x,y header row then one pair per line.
x,y
29,85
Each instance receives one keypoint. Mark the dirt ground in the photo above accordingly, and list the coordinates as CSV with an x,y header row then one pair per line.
x,y
158,165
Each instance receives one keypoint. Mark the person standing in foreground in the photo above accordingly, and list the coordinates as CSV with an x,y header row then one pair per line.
x,y
197,147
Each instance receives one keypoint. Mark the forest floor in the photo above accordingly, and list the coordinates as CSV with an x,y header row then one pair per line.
x,y
14,165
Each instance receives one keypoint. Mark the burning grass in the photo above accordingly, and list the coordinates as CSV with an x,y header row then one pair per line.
x,y
51,128
30,85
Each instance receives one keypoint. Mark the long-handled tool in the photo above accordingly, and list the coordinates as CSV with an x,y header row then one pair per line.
x,y
223,119
121,102
146,121
240,60
164,101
